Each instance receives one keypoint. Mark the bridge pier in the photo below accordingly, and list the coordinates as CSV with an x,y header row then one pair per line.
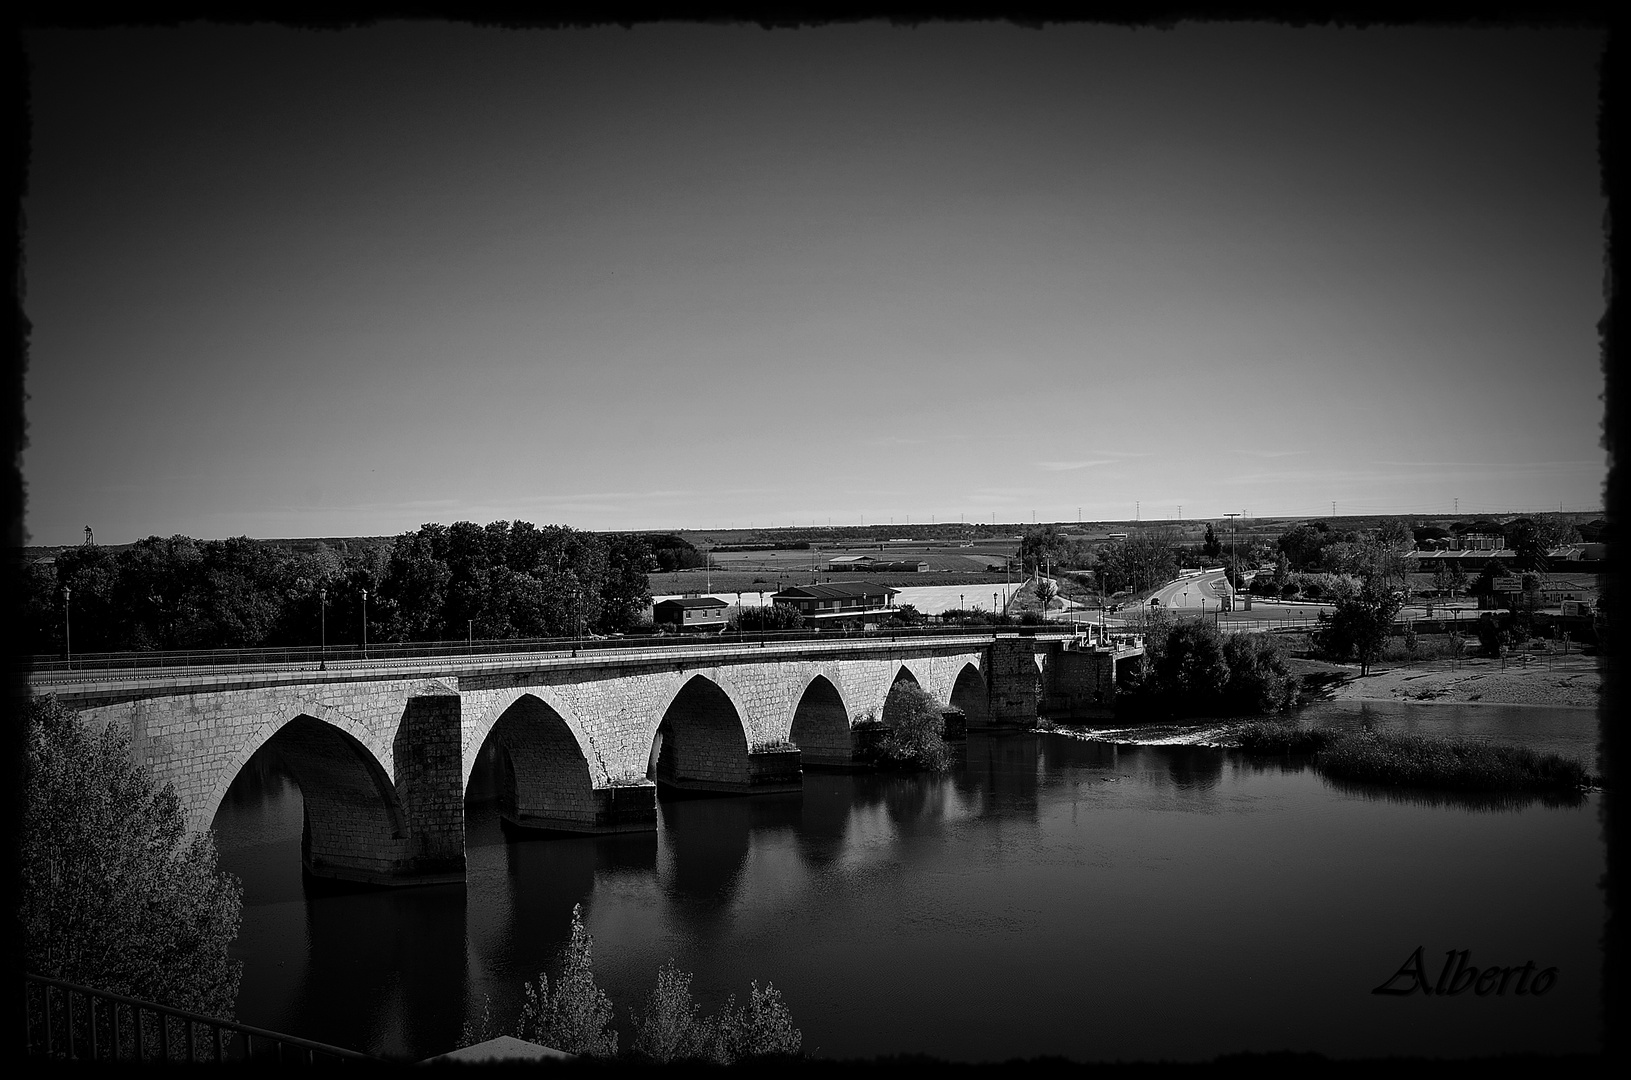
x,y
629,806
761,772
1014,678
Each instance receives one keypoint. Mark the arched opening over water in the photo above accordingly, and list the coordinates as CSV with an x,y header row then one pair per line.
x,y
969,693
540,777
701,744
352,827
821,728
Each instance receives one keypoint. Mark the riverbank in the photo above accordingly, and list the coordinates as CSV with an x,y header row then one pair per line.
x,y
1573,681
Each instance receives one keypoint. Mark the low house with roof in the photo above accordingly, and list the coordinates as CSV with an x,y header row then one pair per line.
x,y
840,602
690,613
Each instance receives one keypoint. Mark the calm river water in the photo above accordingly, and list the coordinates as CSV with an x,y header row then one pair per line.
x,y
1051,896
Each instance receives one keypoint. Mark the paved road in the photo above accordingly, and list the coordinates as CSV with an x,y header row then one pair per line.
x,y
1194,595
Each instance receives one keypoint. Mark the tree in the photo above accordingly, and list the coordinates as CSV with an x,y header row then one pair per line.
x,y
672,1028
1301,546
1533,540
115,895
1046,590
916,736
1191,671
764,1028
768,617
1358,625
1142,561
1449,578
1212,547
1260,681
577,1017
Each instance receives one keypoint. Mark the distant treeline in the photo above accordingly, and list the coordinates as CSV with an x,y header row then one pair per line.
x,y
503,580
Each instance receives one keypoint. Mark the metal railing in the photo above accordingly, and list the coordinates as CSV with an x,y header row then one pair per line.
x,y
64,1021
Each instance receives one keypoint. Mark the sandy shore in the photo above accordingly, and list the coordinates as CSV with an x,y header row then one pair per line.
x,y
1567,681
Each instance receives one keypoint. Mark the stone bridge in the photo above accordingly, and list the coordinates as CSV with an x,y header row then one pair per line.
x,y
383,751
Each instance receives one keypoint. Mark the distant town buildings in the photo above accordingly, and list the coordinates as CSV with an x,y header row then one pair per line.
x,y
851,563
858,602
690,613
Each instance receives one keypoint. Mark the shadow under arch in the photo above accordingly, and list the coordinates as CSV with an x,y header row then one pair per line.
x,y
970,694
354,828
821,728
541,777
701,744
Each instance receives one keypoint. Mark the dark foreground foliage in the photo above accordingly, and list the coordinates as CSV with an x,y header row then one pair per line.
x,y
116,895
1401,759
575,1016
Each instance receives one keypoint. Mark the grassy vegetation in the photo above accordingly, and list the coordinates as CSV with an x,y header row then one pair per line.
x,y
1399,759
1279,736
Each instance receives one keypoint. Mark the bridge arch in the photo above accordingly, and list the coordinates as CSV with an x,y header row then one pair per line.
x,y
354,828
477,735
700,740
821,725
970,694
545,781
358,732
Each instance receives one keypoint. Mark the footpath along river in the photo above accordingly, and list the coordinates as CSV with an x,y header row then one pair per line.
x,y
1051,896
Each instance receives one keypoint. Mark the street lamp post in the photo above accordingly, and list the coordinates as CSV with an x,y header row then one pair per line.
x,y
67,627
322,629
365,624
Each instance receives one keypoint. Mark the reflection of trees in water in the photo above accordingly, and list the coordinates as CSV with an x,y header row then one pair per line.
x,y
1484,801
1061,756
399,952
1193,768
1000,770
1276,764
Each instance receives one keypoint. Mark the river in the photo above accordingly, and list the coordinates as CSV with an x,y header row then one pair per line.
x,y
1053,895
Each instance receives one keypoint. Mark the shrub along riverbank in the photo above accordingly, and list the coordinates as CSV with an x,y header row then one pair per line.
x,y
1402,759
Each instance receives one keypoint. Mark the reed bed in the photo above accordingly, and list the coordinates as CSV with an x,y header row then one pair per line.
x,y
1399,759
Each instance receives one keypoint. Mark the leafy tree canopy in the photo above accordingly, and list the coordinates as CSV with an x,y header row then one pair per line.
x,y
116,896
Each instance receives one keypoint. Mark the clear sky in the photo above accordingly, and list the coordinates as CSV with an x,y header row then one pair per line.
x,y
297,283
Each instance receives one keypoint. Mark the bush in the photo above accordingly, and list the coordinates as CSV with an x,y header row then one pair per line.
x,y
915,736
773,617
1259,679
